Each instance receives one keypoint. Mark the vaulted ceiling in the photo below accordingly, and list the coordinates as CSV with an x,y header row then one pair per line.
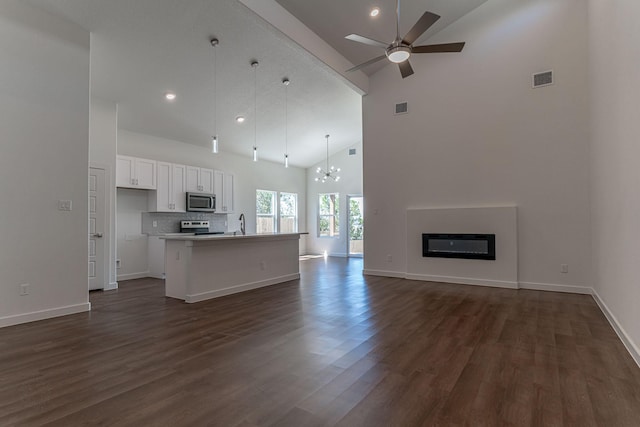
x,y
144,48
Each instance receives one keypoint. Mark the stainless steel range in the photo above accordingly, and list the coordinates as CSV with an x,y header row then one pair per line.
x,y
197,227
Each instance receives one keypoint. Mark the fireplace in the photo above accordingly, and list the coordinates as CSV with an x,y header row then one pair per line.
x,y
465,246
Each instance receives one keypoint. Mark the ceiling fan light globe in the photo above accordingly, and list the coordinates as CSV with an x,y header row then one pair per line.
x,y
399,54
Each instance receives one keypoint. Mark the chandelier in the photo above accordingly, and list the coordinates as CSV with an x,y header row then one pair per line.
x,y
330,173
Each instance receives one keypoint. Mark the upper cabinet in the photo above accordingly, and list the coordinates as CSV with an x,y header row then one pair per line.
x,y
199,180
224,191
170,194
133,172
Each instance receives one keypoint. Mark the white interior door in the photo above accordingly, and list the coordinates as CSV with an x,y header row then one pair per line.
x,y
97,218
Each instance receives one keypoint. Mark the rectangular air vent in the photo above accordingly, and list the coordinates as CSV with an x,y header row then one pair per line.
x,y
352,151
402,108
543,79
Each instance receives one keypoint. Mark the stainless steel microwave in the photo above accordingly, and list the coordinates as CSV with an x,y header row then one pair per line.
x,y
201,202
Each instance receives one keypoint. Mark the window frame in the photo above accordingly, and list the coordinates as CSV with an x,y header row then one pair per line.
x,y
294,216
335,215
274,208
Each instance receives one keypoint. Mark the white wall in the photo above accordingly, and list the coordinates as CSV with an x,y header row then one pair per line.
x,y
44,129
350,184
102,153
248,175
615,175
477,134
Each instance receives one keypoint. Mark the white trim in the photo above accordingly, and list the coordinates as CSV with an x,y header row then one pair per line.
x,y
631,347
383,273
132,276
240,288
337,254
44,314
464,281
111,287
552,287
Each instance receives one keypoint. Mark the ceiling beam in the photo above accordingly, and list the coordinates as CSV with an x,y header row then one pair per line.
x,y
276,15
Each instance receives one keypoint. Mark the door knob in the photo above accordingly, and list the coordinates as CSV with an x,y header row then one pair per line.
x,y
97,235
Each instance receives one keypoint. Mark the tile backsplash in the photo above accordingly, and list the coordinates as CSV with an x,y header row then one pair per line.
x,y
168,222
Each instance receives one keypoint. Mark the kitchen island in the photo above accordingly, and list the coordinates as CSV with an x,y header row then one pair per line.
x,y
198,268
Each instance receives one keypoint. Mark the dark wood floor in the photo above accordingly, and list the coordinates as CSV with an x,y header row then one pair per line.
x,y
334,348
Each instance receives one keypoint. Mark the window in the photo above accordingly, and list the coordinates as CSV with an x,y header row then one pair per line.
x,y
288,213
328,214
266,211
275,213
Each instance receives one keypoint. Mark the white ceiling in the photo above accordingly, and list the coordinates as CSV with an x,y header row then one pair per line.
x,y
332,20
141,49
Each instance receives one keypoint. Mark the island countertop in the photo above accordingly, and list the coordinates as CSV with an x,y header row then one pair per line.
x,y
217,237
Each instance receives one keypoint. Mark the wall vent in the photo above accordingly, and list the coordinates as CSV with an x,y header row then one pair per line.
x,y
402,108
543,79
352,151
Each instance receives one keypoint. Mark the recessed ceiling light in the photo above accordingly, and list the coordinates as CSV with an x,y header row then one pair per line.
x,y
240,119
374,12
169,96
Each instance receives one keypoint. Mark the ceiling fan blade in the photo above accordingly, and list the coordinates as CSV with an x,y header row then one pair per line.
x,y
405,69
424,23
369,62
366,40
434,48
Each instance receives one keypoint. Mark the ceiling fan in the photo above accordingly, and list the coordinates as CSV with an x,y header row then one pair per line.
x,y
401,49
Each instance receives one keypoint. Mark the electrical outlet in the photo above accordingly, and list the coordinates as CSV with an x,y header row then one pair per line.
x,y
64,205
24,289
564,268
155,224
118,263
389,258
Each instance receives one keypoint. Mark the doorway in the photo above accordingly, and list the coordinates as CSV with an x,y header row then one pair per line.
x,y
355,229
97,218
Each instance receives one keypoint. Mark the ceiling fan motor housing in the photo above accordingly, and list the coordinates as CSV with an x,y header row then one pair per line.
x,y
399,53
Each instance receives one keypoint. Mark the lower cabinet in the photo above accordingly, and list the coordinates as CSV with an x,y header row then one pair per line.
x,y
155,253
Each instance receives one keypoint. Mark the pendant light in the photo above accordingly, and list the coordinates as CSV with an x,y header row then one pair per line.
x,y
214,138
285,82
255,64
330,173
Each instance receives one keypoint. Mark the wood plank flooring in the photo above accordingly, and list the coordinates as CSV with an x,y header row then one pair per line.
x,y
334,348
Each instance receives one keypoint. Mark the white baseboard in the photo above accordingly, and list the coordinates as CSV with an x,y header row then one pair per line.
x,y
556,288
111,286
132,276
156,276
632,348
44,314
464,280
384,273
240,288
338,254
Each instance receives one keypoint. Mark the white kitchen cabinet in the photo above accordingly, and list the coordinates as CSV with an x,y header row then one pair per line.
x,y
155,254
224,191
133,172
199,180
171,188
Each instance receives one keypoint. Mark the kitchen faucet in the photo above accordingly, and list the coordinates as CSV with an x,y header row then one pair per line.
x,y
242,229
